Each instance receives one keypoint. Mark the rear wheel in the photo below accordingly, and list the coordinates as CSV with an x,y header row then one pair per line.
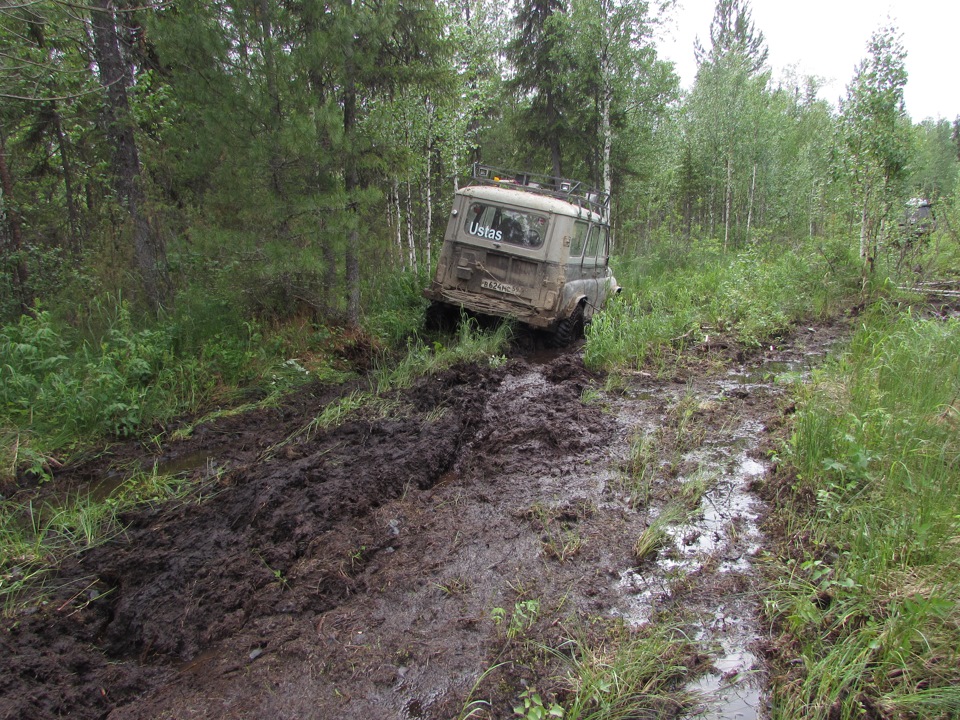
x,y
568,329
441,317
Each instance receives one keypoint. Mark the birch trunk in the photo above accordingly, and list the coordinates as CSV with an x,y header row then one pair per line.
x,y
728,202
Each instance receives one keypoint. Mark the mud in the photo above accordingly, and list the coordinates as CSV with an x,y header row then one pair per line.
x,y
357,572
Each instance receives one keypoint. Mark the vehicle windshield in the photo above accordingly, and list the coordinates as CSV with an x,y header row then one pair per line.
x,y
503,225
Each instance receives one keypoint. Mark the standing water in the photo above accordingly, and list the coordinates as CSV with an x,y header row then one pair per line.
x,y
709,457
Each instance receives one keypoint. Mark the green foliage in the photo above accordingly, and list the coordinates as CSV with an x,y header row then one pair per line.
x,y
683,295
625,675
875,443
60,387
396,313
875,132
469,343
531,707
934,171
519,621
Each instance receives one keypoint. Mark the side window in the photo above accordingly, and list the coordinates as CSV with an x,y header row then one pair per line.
x,y
579,238
593,242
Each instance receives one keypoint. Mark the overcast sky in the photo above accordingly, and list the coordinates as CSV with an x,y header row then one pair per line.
x,y
828,38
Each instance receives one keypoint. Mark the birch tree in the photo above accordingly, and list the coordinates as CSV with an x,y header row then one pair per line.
x,y
875,138
724,112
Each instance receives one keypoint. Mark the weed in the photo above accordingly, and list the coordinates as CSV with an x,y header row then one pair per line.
x,y
626,675
471,707
531,707
640,468
520,620
693,490
655,537
276,572
558,539
689,429
453,586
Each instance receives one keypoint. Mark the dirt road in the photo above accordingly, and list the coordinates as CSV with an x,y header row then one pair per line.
x,y
381,568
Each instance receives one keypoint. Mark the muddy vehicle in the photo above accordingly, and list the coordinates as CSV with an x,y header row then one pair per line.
x,y
529,247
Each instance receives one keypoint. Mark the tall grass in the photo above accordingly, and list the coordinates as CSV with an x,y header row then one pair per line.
x,y
62,385
871,601
635,674
35,539
680,295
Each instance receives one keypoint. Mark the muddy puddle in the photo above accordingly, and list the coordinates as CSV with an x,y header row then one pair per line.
x,y
410,566
717,426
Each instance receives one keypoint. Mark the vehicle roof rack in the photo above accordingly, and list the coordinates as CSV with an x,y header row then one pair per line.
x,y
573,191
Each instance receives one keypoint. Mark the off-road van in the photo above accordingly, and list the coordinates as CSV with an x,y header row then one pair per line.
x,y
531,247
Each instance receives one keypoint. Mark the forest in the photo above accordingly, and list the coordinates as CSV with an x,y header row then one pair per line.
x,y
286,157
210,208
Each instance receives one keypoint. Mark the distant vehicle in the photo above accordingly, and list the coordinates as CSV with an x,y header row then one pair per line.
x,y
919,219
531,247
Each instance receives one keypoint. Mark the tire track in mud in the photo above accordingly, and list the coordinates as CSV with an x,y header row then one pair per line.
x,y
355,572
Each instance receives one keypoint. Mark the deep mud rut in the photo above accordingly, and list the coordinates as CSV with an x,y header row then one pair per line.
x,y
372,570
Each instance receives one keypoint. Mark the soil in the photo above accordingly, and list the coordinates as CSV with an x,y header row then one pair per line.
x,y
375,569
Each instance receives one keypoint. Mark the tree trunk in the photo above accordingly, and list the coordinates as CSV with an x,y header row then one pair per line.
x,y
411,244
351,181
866,268
275,113
728,201
606,97
76,237
116,76
429,194
14,250
396,213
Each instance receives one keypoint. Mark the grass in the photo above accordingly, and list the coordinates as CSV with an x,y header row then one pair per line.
x,y
682,296
870,598
640,468
604,670
630,674
655,537
35,540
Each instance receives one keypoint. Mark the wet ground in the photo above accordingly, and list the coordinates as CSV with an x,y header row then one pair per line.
x,y
408,562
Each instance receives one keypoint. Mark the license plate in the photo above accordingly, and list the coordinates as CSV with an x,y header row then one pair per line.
x,y
499,287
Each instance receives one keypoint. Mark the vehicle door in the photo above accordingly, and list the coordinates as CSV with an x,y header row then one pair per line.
x,y
595,263
576,273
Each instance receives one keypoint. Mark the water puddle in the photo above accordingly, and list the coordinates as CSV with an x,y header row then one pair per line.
x,y
187,463
112,482
714,545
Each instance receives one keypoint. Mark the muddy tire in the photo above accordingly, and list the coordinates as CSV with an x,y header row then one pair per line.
x,y
568,329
